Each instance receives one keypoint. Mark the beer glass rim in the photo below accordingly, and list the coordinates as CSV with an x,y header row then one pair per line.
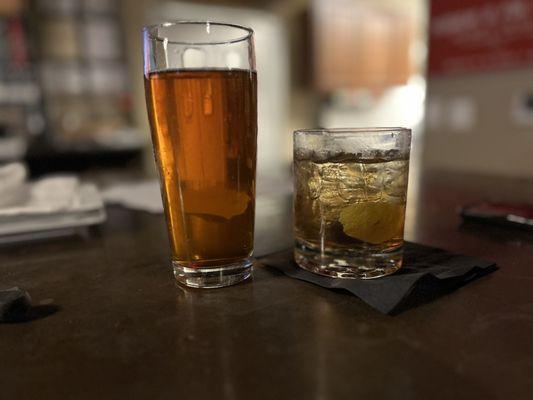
x,y
150,31
348,132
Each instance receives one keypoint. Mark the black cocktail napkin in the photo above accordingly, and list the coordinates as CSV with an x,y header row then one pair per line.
x,y
427,273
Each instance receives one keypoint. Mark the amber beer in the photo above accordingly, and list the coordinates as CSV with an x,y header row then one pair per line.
x,y
204,131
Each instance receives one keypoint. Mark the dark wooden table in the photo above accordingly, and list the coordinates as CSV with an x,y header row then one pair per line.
x,y
123,329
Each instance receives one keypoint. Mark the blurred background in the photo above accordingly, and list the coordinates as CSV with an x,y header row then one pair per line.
x,y
458,72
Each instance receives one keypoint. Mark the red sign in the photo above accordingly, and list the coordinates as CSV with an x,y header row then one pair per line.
x,y
480,35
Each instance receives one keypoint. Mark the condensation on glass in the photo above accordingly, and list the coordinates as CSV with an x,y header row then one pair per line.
x,y
350,188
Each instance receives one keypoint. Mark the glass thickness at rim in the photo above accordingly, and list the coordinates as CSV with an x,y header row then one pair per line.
x,y
352,132
152,34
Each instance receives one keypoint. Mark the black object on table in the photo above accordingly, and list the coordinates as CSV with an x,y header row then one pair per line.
x,y
14,304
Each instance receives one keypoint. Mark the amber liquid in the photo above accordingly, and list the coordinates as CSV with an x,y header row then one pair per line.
x,y
204,131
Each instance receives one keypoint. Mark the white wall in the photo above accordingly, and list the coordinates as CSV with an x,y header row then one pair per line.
x,y
272,73
478,123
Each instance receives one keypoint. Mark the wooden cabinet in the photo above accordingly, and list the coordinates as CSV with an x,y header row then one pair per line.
x,y
359,45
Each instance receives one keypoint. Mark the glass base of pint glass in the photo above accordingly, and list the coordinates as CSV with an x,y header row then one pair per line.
x,y
348,264
210,277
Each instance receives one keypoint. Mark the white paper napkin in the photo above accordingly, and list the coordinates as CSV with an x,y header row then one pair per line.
x,y
144,196
49,203
12,184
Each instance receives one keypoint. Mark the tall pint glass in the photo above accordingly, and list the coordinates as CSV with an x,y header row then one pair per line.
x,y
201,95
